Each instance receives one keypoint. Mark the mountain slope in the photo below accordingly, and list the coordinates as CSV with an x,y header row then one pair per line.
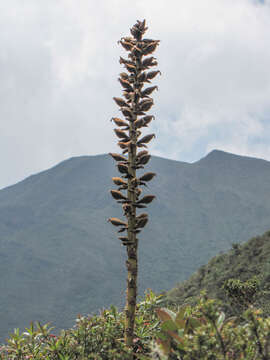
x,y
60,257
241,262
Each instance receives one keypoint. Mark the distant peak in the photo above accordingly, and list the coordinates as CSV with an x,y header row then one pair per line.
x,y
217,155
220,155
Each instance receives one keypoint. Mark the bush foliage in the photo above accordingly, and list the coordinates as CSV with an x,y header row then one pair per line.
x,y
202,331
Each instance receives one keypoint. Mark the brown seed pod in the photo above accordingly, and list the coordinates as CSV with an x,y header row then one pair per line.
x,y
152,74
149,48
120,134
119,122
147,176
147,199
117,195
117,157
148,91
146,104
146,139
126,85
117,222
142,77
126,45
143,160
127,140
141,153
123,168
149,62
124,145
124,61
147,119
127,112
130,68
138,123
119,101
119,181
142,222
124,75
142,145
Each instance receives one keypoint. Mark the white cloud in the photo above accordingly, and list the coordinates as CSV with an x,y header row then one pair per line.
x,y
59,67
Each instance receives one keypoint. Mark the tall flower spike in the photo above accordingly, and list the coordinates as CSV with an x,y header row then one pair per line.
x,y
135,102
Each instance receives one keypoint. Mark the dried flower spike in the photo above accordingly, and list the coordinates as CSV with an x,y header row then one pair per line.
x,y
137,102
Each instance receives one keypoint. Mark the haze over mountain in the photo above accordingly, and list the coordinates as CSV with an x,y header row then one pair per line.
x,y
59,257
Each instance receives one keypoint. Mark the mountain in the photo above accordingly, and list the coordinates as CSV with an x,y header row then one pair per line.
x,y
244,262
60,257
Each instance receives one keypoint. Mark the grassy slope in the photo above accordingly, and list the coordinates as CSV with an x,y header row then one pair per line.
x,y
249,259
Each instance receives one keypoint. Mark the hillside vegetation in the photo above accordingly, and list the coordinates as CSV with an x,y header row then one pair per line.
x,y
248,262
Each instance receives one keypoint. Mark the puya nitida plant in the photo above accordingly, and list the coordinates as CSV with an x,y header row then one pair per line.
x,y
133,106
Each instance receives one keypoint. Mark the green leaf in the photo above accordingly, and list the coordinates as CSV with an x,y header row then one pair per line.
x,y
192,323
179,320
162,336
169,325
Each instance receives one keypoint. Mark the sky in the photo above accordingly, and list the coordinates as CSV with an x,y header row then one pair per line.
x,y
59,64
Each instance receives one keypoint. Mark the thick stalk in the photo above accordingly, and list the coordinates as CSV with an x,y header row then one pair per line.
x,y
132,262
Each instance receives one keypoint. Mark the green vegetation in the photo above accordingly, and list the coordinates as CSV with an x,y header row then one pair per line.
x,y
186,333
242,275
137,102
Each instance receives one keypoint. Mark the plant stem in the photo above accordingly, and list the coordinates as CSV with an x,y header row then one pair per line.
x,y
132,262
